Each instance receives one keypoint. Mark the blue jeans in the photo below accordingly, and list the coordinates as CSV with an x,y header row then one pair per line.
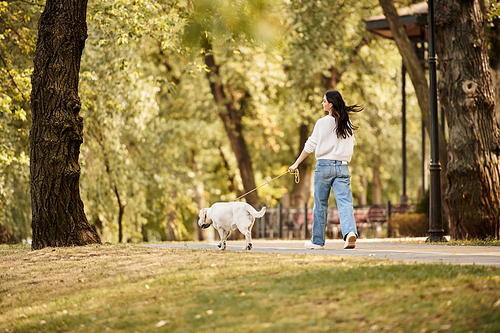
x,y
334,175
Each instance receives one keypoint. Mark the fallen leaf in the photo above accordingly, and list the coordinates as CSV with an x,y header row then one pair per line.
x,y
161,323
497,304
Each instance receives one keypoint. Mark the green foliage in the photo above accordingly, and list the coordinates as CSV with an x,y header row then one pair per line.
x,y
17,41
423,205
152,131
129,148
493,33
493,12
409,225
225,20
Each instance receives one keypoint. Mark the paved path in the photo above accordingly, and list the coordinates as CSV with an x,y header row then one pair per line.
x,y
371,248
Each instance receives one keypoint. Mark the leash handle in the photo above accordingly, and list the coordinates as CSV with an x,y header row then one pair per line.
x,y
297,176
297,180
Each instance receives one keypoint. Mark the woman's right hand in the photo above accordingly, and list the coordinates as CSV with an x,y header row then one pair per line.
x,y
293,167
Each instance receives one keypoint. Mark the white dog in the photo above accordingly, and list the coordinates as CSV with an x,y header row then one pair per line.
x,y
227,216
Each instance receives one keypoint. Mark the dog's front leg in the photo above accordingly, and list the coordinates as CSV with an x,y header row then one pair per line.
x,y
223,234
224,239
221,241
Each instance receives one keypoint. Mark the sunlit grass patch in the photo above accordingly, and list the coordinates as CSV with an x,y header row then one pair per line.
x,y
451,242
127,288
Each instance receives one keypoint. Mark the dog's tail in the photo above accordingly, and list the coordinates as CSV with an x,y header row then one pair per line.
x,y
256,213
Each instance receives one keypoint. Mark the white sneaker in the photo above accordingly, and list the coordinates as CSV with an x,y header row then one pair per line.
x,y
309,245
350,241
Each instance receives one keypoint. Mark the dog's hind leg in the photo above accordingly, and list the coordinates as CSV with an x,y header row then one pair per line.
x,y
248,237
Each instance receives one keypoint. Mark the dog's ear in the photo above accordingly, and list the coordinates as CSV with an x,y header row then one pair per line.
x,y
203,214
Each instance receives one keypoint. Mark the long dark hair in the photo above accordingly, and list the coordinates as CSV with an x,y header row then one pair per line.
x,y
340,112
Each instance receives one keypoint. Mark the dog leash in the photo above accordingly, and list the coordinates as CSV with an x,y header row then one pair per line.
x,y
297,180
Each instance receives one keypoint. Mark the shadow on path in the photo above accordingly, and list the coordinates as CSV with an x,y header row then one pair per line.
x,y
370,248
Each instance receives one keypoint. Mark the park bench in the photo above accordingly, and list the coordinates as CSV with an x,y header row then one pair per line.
x,y
289,222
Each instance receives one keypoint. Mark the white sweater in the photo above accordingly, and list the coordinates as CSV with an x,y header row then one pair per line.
x,y
324,140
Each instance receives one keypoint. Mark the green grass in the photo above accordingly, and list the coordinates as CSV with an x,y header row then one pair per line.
x,y
451,242
129,288
473,242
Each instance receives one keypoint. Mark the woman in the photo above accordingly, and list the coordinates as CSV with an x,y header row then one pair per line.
x,y
333,141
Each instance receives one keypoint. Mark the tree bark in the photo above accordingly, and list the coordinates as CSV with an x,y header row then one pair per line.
x,y
199,197
376,182
58,217
231,118
121,211
417,76
172,220
112,182
362,195
301,192
467,96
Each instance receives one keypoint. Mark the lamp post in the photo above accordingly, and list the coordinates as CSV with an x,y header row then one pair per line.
x,y
436,231
404,198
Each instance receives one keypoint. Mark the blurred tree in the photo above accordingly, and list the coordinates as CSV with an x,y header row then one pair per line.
x,y
468,98
237,24
17,43
58,217
323,43
493,35
417,76
153,133
133,159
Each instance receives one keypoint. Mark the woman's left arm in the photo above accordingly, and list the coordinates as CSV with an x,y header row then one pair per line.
x,y
299,160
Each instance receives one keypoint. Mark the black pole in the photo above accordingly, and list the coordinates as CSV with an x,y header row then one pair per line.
x,y
280,223
389,223
436,231
305,220
404,198
263,226
424,165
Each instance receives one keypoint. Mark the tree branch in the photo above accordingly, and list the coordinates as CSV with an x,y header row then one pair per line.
x,y
417,75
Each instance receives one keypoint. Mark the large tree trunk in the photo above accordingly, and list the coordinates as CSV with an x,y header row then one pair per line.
x,y
58,217
467,96
231,118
